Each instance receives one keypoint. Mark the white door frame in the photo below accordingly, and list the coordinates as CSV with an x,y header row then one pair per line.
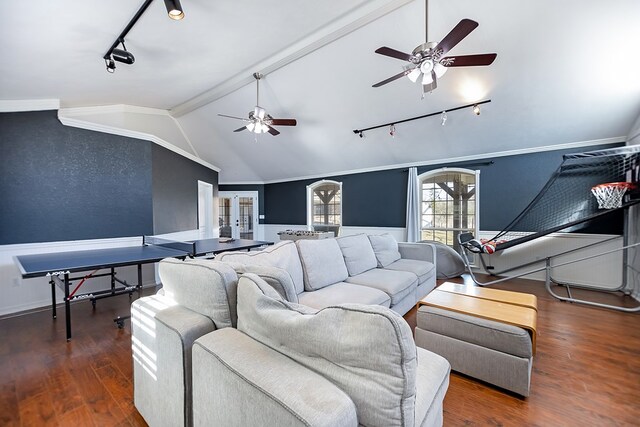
x,y
235,212
206,210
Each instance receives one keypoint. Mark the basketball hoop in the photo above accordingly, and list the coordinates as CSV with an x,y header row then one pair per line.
x,y
610,195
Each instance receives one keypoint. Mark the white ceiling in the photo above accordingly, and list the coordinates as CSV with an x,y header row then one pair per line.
x,y
566,72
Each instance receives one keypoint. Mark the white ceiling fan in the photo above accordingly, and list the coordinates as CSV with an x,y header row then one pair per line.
x,y
259,121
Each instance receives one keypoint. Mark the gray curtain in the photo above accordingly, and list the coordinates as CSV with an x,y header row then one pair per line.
x,y
413,211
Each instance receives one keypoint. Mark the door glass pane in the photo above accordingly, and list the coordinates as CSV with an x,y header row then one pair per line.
x,y
246,217
224,221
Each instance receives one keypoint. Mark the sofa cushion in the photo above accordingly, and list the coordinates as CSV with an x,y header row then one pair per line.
x,y
396,284
342,292
322,263
367,351
485,333
204,286
358,253
423,269
385,247
282,255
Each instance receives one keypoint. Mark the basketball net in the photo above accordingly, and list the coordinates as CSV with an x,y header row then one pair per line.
x,y
610,195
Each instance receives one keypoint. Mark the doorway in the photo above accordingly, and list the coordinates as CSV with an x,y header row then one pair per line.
x,y
205,209
238,214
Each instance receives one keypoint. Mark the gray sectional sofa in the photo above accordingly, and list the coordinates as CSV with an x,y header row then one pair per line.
x,y
360,269
199,300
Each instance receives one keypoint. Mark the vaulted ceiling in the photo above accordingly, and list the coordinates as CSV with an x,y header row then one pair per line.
x,y
566,72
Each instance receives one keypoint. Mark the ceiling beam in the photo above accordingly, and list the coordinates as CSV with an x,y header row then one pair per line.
x,y
331,32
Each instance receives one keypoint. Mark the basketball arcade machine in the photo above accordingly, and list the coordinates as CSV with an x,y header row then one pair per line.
x,y
596,171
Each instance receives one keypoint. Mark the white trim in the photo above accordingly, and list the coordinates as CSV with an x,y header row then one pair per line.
x,y
184,135
604,141
17,105
110,109
83,124
336,29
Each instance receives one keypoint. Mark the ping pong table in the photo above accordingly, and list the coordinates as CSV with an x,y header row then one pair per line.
x,y
59,266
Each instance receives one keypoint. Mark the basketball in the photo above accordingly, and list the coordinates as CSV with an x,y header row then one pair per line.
x,y
488,248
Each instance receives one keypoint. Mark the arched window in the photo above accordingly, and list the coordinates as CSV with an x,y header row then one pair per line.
x,y
324,206
448,204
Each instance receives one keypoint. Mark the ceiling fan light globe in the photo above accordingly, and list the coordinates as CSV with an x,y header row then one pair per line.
x,y
426,67
439,70
251,126
427,79
264,128
414,75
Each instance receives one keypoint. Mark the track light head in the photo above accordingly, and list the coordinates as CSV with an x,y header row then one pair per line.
x,y
476,109
111,66
174,9
123,55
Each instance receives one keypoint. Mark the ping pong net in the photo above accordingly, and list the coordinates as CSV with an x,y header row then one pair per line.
x,y
188,247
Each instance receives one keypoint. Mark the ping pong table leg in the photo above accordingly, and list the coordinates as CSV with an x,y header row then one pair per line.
x,y
139,280
53,297
67,306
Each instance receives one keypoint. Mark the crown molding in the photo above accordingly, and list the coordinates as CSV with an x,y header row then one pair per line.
x,y
338,28
484,156
18,105
111,109
83,124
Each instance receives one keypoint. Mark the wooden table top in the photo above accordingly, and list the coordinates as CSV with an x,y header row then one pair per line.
x,y
512,308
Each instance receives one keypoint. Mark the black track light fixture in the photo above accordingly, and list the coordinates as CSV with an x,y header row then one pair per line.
x,y
174,9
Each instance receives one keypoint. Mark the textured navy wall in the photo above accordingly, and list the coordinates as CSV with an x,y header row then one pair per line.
x,y
63,183
378,199
175,190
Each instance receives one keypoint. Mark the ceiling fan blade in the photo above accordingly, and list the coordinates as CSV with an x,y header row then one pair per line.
x,y
390,79
234,117
283,122
387,51
240,129
456,35
273,131
468,60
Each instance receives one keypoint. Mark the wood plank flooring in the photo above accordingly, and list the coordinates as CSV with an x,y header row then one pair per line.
x,y
586,371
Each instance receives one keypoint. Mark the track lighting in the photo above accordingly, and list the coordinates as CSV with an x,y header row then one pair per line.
x,y
443,118
111,66
174,9
123,55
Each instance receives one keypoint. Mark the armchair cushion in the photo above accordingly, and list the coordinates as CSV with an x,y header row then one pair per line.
x,y
367,351
385,247
358,253
204,286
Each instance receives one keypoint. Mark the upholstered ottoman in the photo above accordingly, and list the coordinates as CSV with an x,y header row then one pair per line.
x,y
491,351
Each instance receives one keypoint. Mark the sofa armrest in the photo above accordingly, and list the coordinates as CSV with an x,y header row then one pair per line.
x,y
162,335
238,381
419,251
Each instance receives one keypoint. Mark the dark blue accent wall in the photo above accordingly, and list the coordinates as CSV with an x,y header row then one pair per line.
x,y
378,199
62,183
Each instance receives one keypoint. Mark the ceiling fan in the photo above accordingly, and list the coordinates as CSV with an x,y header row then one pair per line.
x,y
259,120
427,62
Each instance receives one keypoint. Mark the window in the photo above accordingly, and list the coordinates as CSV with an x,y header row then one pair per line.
x,y
448,204
324,206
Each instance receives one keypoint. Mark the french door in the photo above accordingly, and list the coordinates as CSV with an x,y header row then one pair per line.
x,y
238,214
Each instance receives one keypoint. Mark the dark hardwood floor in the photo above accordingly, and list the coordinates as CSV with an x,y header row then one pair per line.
x,y
586,370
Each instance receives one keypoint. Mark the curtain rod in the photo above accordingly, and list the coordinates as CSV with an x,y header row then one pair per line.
x,y
357,131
